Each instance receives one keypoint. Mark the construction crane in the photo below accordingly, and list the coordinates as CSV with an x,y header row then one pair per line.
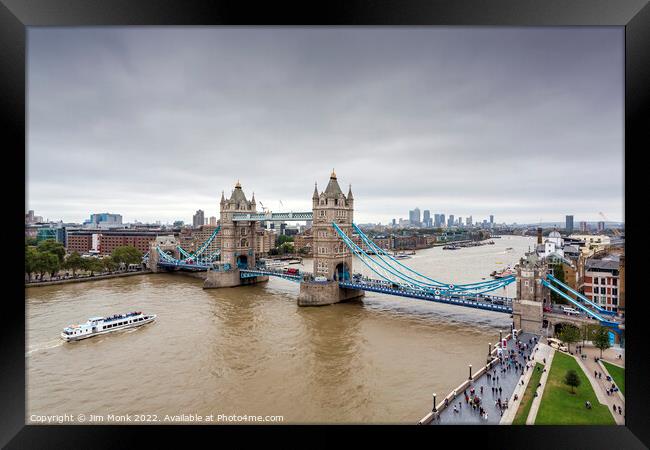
x,y
616,231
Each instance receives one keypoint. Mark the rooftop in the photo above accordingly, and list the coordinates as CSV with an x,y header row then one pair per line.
x,y
610,262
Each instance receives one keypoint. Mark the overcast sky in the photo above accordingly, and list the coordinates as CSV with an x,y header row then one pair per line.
x,y
153,123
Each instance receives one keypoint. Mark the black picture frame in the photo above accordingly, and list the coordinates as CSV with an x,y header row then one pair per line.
x,y
16,15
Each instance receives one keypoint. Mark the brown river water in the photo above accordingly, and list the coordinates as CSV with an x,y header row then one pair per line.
x,y
252,351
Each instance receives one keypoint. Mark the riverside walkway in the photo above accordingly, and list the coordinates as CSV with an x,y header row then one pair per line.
x,y
459,412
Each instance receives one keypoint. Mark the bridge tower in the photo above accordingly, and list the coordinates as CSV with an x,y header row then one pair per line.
x,y
332,258
237,242
167,244
237,238
527,307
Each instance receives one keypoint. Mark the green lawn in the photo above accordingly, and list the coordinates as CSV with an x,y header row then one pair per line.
x,y
560,407
527,398
618,374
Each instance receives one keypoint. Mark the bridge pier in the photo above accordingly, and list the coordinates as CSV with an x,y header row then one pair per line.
x,y
229,278
325,293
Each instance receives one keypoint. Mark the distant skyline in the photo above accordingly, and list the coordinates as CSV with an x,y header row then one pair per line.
x,y
155,122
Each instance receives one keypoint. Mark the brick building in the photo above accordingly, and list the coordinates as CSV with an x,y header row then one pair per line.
x,y
107,241
304,240
603,281
265,241
79,242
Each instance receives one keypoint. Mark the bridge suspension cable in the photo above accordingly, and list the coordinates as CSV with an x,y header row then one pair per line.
x,y
202,248
578,295
430,281
380,266
370,263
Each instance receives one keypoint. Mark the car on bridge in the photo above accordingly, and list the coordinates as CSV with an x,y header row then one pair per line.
x,y
569,311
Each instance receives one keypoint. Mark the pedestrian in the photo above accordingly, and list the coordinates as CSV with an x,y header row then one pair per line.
x,y
614,406
481,390
620,411
500,390
460,405
492,390
455,409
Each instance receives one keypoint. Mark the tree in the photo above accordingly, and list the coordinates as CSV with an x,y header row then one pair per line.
x,y
287,247
74,262
282,239
54,247
45,262
92,265
569,334
53,264
558,272
31,241
31,255
109,264
127,255
601,339
571,379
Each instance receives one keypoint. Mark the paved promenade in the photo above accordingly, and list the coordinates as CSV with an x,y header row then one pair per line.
x,y
459,412
542,354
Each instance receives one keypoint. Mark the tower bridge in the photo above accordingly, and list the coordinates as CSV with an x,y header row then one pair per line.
x,y
332,279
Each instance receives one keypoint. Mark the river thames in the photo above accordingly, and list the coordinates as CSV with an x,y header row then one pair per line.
x,y
252,351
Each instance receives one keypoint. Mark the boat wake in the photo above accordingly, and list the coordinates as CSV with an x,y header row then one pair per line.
x,y
44,346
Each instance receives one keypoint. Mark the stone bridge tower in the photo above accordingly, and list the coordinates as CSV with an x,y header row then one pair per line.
x,y
332,258
237,243
527,307
237,238
167,244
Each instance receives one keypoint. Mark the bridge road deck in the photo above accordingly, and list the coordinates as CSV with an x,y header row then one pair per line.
x,y
507,381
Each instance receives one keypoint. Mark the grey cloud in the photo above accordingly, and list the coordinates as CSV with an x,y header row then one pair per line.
x,y
156,122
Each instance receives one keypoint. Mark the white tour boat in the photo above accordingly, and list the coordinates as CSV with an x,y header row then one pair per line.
x,y
103,325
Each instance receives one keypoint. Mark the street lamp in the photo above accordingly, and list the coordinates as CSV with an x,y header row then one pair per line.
x,y
470,372
500,337
434,403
